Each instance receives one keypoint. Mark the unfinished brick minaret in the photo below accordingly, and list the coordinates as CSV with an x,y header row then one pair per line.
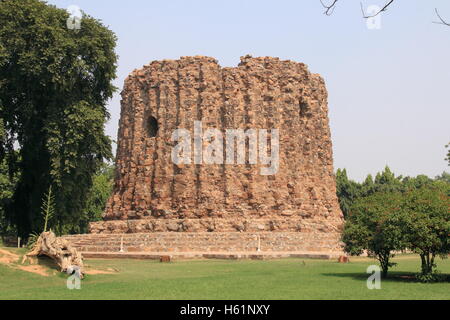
x,y
154,195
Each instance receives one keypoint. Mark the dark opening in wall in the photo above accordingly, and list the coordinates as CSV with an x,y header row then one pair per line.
x,y
152,126
304,110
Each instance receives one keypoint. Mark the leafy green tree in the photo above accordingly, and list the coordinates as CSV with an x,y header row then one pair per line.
x,y
427,224
448,154
444,176
6,192
386,181
418,182
374,224
54,85
347,191
2,129
98,195
368,186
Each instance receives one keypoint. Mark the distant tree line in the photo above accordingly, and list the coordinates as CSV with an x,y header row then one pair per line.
x,y
348,190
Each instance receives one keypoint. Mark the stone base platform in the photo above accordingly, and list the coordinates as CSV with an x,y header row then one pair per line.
x,y
212,255
224,245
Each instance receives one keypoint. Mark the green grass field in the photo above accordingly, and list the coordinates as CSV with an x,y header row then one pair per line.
x,y
225,279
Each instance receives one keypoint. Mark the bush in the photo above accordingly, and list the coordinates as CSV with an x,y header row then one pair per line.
x,y
374,224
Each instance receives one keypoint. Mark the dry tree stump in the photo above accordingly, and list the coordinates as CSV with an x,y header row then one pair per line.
x,y
343,259
59,250
164,259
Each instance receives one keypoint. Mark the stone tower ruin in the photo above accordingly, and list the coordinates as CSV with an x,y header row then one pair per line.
x,y
295,208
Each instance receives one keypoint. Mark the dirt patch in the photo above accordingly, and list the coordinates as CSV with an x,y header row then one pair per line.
x,y
40,270
7,257
11,260
107,271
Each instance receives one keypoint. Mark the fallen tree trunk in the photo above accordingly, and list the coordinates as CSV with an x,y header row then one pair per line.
x,y
66,257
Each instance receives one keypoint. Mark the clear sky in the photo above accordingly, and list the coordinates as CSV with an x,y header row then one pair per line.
x,y
389,88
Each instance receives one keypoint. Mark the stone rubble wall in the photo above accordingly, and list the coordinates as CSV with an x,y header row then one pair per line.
x,y
152,194
283,224
208,242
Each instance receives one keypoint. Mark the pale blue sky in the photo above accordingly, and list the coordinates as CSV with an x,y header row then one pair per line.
x,y
389,89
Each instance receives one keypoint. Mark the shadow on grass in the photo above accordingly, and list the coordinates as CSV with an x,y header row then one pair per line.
x,y
43,261
393,276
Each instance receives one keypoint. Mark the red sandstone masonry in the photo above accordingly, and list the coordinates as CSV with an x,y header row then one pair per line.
x,y
261,93
221,207
208,242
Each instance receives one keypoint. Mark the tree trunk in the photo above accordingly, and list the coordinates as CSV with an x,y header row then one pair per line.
x,y
384,263
427,263
66,256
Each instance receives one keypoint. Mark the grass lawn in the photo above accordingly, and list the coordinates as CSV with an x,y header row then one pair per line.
x,y
226,279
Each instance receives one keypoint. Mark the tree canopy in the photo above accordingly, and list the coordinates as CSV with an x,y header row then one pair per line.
x,y
54,85
392,214
426,224
374,224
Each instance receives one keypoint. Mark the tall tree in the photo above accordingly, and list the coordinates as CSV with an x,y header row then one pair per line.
x,y
347,190
386,181
427,224
54,85
97,197
448,154
6,192
444,176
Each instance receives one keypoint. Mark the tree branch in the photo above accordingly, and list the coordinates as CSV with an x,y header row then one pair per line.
x,y
377,13
442,21
329,9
